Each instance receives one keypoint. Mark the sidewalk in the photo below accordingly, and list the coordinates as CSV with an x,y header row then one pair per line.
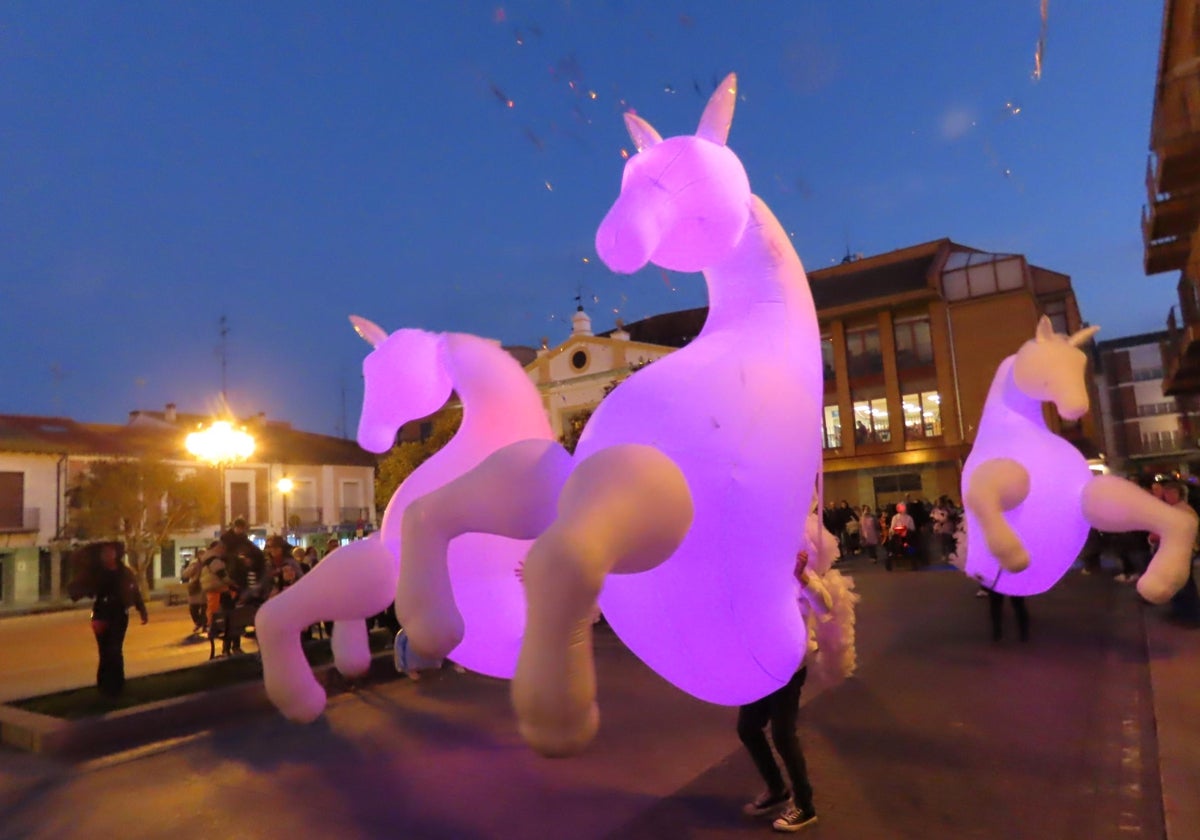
x,y
1174,654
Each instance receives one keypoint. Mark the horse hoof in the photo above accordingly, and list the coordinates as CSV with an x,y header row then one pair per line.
x,y
1154,589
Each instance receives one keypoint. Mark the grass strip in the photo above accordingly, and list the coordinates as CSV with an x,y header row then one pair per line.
x,y
78,703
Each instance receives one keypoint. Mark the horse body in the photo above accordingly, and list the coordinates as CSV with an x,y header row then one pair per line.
x,y
500,406
409,375
1029,495
737,410
1014,427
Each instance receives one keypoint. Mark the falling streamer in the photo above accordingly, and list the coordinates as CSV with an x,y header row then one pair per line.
x,y
1040,54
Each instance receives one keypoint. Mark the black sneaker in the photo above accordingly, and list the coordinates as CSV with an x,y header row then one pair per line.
x,y
767,804
793,819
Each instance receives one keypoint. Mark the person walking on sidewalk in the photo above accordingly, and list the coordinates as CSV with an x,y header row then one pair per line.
x,y
101,573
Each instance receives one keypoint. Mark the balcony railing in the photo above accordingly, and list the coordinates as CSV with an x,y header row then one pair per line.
x,y
1177,108
299,517
353,515
19,519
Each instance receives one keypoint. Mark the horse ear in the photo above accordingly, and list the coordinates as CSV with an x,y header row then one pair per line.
x,y
641,132
718,113
1045,330
370,332
1080,338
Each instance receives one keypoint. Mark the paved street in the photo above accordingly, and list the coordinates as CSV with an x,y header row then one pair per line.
x,y
942,735
55,651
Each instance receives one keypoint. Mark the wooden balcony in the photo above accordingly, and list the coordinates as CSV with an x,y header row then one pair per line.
x,y
1164,254
1181,350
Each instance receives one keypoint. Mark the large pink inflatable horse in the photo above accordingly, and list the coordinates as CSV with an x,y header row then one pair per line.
x,y
1029,495
408,375
685,507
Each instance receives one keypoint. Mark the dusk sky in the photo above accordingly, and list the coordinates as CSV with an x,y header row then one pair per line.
x,y
288,164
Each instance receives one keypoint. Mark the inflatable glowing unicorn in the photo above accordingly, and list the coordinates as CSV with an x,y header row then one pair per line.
x,y
686,502
408,375
1029,495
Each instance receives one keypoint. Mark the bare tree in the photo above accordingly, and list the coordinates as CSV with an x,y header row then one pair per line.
x,y
142,502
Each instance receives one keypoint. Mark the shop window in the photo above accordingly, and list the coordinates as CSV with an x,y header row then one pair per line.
x,y
922,414
831,428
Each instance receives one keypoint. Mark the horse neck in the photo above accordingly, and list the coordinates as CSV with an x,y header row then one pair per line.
x,y
761,284
1012,400
484,377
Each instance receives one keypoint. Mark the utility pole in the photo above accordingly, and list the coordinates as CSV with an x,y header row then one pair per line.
x,y
224,332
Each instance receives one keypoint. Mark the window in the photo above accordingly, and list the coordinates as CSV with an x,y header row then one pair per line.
x,y
863,357
871,421
897,483
972,275
914,347
831,428
1056,311
827,359
922,414
579,359
12,499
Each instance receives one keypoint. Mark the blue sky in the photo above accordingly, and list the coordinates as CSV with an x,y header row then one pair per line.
x,y
289,164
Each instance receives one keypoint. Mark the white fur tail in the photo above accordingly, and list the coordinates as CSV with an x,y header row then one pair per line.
x,y
836,657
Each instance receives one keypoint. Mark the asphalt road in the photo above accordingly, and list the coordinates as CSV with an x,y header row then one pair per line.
x,y
943,734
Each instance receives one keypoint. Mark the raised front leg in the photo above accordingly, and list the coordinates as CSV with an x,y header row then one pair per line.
x,y
625,509
350,585
1114,504
998,485
512,493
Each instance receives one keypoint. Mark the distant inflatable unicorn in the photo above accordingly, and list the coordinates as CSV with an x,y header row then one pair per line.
x,y
1029,495
408,375
685,507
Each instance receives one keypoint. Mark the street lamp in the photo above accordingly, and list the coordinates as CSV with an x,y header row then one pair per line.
x,y
285,486
220,444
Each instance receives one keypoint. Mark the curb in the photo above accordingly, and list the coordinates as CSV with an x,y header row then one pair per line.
x,y
139,725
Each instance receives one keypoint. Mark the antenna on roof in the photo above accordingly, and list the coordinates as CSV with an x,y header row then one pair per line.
x,y
223,351
58,375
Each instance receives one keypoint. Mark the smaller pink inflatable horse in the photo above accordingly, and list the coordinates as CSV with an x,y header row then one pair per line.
x,y
1029,495
410,374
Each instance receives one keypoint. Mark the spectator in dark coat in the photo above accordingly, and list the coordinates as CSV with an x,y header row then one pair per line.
x,y
100,573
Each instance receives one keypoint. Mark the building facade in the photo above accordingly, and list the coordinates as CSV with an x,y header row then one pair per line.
x,y
43,458
911,340
1171,217
1146,431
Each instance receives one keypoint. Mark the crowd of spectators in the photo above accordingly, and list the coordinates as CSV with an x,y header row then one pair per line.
x,y
233,577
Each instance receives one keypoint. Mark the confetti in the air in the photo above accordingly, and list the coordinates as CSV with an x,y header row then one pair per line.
x,y
1040,54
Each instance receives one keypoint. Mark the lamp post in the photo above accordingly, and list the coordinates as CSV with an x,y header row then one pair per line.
x,y
285,486
220,444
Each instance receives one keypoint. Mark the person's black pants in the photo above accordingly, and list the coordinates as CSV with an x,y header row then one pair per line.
x,y
199,613
996,605
780,709
1185,604
110,639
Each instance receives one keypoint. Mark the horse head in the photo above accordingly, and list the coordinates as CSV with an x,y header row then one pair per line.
x,y
404,378
684,201
1050,367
